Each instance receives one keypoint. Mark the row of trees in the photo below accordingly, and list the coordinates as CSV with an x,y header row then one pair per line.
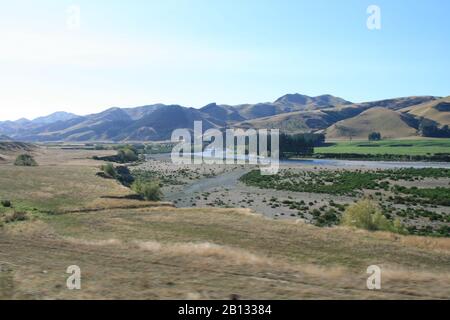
x,y
289,144
300,144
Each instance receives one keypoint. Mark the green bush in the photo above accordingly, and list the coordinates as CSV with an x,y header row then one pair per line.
x,y
149,190
366,214
127,154
25,160
109,170
6,203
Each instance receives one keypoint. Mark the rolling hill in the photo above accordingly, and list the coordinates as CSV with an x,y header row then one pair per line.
x,y
289,103
115,124
390,123
301,102
292,113
4,138
291,122
153,122
437,110
323,117
224,112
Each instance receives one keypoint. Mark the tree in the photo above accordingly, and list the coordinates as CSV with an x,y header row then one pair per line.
x,y
374,136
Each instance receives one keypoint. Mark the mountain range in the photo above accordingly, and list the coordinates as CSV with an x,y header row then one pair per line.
x,y
292,113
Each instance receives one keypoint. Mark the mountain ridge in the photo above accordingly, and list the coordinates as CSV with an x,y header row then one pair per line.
x,y
292,113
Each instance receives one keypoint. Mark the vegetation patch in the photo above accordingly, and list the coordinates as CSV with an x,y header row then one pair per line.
x,y
367,214
121,173
437,196
339,182
125,154
417,208
148,190
164,178
6,203
15,216
25,160
144,183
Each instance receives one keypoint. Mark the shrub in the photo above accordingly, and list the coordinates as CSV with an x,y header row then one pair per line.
x,y
149,190
366,214
124,176
109,170
374,136
127,155
16,216
25,160
6,203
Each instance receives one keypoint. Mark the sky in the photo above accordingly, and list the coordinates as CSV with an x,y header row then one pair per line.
x,y
88,55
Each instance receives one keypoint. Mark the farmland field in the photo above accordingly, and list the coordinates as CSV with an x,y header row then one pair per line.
x,y
394,147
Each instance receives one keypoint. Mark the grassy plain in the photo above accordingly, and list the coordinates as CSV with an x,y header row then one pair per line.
x,y
158,251
395,147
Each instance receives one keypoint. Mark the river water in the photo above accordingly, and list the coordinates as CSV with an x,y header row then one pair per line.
x,y
341,163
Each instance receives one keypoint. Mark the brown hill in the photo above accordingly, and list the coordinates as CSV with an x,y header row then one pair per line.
x,y
390,123
437,110
292,122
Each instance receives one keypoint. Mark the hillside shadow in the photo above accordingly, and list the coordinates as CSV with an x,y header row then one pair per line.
x,y
126,197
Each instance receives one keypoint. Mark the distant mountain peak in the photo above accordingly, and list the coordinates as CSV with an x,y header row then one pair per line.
x,y
328,99
291,113
209,105
22,121
55,117
298,100
294,98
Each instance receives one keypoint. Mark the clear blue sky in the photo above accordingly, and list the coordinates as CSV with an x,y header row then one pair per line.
x,y
130,53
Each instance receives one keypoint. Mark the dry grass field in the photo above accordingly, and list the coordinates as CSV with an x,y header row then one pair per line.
x,y
160,252
65,180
